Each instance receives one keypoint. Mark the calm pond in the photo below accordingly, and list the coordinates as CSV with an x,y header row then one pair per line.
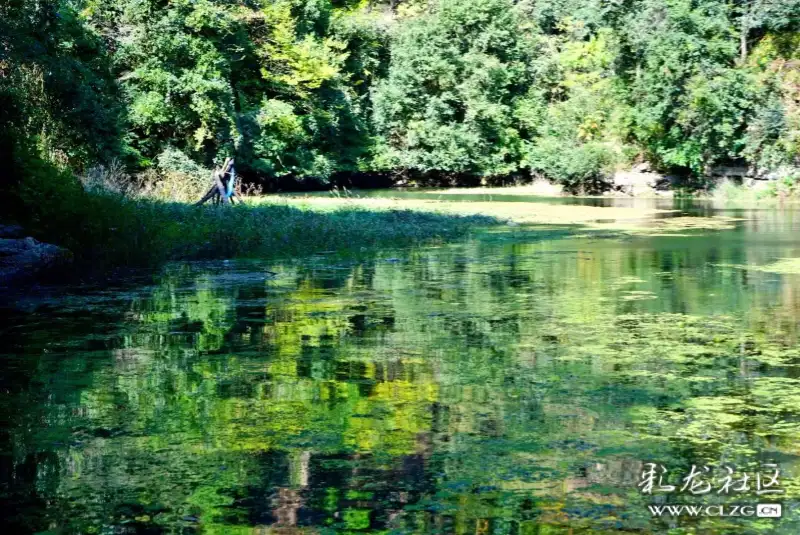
x,y
517,381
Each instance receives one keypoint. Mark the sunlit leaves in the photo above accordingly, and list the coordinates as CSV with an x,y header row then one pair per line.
x,y
447,102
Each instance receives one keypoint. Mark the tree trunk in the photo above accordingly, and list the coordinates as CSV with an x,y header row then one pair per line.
x,y
748,11
743,40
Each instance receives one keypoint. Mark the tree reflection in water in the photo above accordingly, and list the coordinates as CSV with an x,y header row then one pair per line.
x,y
506,384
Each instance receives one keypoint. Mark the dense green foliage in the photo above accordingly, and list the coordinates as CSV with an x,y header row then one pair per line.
x,y
58,99
314,89
279,84
455,80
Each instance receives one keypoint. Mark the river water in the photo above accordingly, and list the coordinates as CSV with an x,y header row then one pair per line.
x,y
517,381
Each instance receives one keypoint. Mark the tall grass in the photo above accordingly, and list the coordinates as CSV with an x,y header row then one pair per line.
x,y
156,183
110,229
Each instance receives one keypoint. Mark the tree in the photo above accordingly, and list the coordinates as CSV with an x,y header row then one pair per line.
x,y
760,16
59,105
56,88
447,102
282,85
317,89
689,110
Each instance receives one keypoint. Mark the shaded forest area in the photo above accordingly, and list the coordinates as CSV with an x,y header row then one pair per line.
x,y
310,93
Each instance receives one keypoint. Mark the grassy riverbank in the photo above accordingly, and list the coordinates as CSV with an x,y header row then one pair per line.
x,y
111,231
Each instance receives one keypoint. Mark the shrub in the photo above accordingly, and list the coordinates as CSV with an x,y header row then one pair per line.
x,y
578,167
109,178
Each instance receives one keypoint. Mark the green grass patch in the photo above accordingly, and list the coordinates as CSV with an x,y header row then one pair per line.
x,y
111,230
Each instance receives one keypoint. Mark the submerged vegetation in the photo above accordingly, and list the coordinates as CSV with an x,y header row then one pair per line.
x,y
498,385
784,266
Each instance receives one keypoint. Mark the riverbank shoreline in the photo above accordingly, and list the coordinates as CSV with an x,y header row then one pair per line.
x,y
110,231
106,231
648,185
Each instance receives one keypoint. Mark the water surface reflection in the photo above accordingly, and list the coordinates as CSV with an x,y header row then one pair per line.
x,y
504,384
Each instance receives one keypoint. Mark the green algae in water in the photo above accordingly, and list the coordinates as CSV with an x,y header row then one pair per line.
x,y
493,385
784,266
